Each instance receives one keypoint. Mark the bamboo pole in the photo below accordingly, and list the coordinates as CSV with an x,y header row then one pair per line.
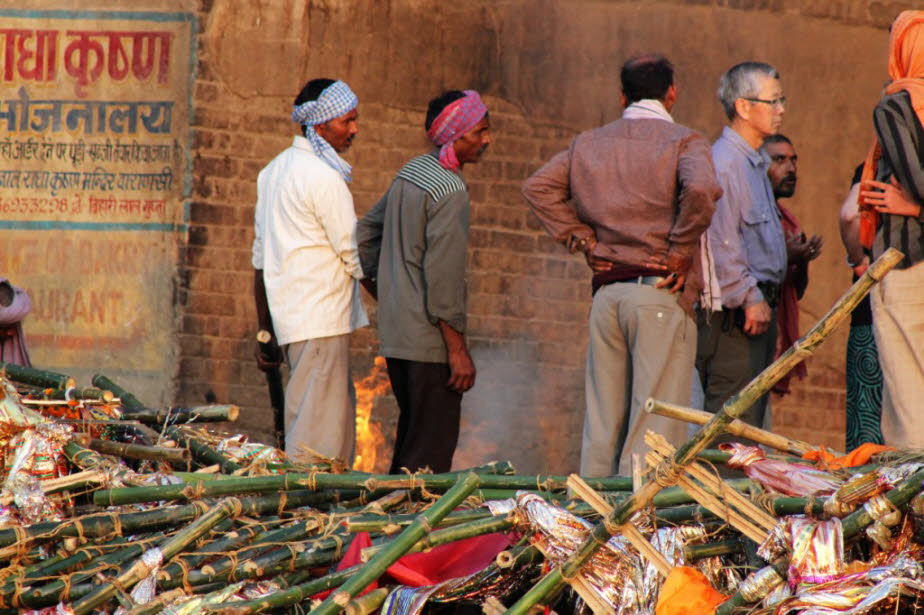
x,y
87,393
732,409
215,413
736,427
140,569
319,481
377,565
226,542
59,590
447,535
36,377
293,595
71,481
313,553
180,456
635,538
128,400
367,603
291,534
202,452
104,524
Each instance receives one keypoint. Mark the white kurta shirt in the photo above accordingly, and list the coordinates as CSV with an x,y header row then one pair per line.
x,y
305,243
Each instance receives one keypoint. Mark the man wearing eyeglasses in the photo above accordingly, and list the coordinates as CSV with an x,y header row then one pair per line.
x,y
737,330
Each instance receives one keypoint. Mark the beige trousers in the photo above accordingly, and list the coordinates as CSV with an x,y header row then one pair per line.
x,y
320,398
898,324
642,344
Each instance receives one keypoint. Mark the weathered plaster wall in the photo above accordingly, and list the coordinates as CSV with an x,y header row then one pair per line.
x,y
548,69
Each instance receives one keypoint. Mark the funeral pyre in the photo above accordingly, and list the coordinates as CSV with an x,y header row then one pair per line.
x,y
108,506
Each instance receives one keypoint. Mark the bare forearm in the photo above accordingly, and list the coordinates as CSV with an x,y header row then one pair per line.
x,y
454,340
264,319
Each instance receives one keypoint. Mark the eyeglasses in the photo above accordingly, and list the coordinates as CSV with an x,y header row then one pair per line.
x,y
776,102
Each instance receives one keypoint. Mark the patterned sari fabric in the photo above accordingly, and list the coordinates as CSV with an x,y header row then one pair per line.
x,y
864,388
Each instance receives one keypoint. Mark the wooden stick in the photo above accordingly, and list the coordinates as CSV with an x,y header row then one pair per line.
x,y
737,428
629,531
53,485
714,484
732,409
720,509
137,451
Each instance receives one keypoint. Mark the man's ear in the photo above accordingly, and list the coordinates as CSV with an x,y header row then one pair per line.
x,y
671,97
623,100
743,108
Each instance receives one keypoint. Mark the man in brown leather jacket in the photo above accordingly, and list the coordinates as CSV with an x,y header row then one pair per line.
x,y
634,196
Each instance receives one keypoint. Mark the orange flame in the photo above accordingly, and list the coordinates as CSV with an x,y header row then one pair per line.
x,y
369,437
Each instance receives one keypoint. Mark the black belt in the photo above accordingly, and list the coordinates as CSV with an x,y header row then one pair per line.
x,y
771,292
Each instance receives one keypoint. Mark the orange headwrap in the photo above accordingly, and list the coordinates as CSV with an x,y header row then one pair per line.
x,y
906,69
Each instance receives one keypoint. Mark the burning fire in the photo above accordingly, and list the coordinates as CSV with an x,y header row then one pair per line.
x,y
369,438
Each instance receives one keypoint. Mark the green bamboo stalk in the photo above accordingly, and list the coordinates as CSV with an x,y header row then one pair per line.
x,y
711,549
851,525
129,401
293,595
103,524
377,523
88,393
732,409
446,535
159,604
318,552
172,546
267,540
216,413
291,481
226,542
377,565
179,456
59,564
54,591
367,603
36,377
203,453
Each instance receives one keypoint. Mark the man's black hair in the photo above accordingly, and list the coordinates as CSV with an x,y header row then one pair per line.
x,y
436,106
646,76
312,90
777,138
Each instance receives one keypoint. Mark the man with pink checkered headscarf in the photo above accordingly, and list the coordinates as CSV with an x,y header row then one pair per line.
x,y
412,245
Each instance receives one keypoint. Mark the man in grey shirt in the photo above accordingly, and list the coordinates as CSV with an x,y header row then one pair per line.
x,y
413,245
737,338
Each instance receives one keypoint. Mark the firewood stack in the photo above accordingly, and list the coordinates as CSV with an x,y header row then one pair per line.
x,y
108,506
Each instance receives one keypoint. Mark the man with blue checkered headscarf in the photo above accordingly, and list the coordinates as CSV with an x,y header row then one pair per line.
x,y
306,282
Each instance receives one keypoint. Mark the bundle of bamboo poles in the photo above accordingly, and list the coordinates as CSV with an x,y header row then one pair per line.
x,y
144,510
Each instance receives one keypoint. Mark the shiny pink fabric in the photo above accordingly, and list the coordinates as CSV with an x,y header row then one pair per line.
x,y
793,479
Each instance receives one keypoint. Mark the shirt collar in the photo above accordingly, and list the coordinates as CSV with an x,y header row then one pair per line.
x,y
755,157
302,143
648,108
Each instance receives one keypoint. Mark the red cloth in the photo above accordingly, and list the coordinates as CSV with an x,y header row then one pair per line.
x,y
449,561
787,312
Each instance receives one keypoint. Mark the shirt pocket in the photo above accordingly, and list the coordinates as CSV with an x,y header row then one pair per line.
x,y
753,216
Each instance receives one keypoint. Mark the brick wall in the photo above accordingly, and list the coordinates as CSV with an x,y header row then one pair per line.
x,y
548,70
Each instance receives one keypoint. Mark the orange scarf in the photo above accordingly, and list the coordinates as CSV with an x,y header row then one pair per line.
x,y
906,69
